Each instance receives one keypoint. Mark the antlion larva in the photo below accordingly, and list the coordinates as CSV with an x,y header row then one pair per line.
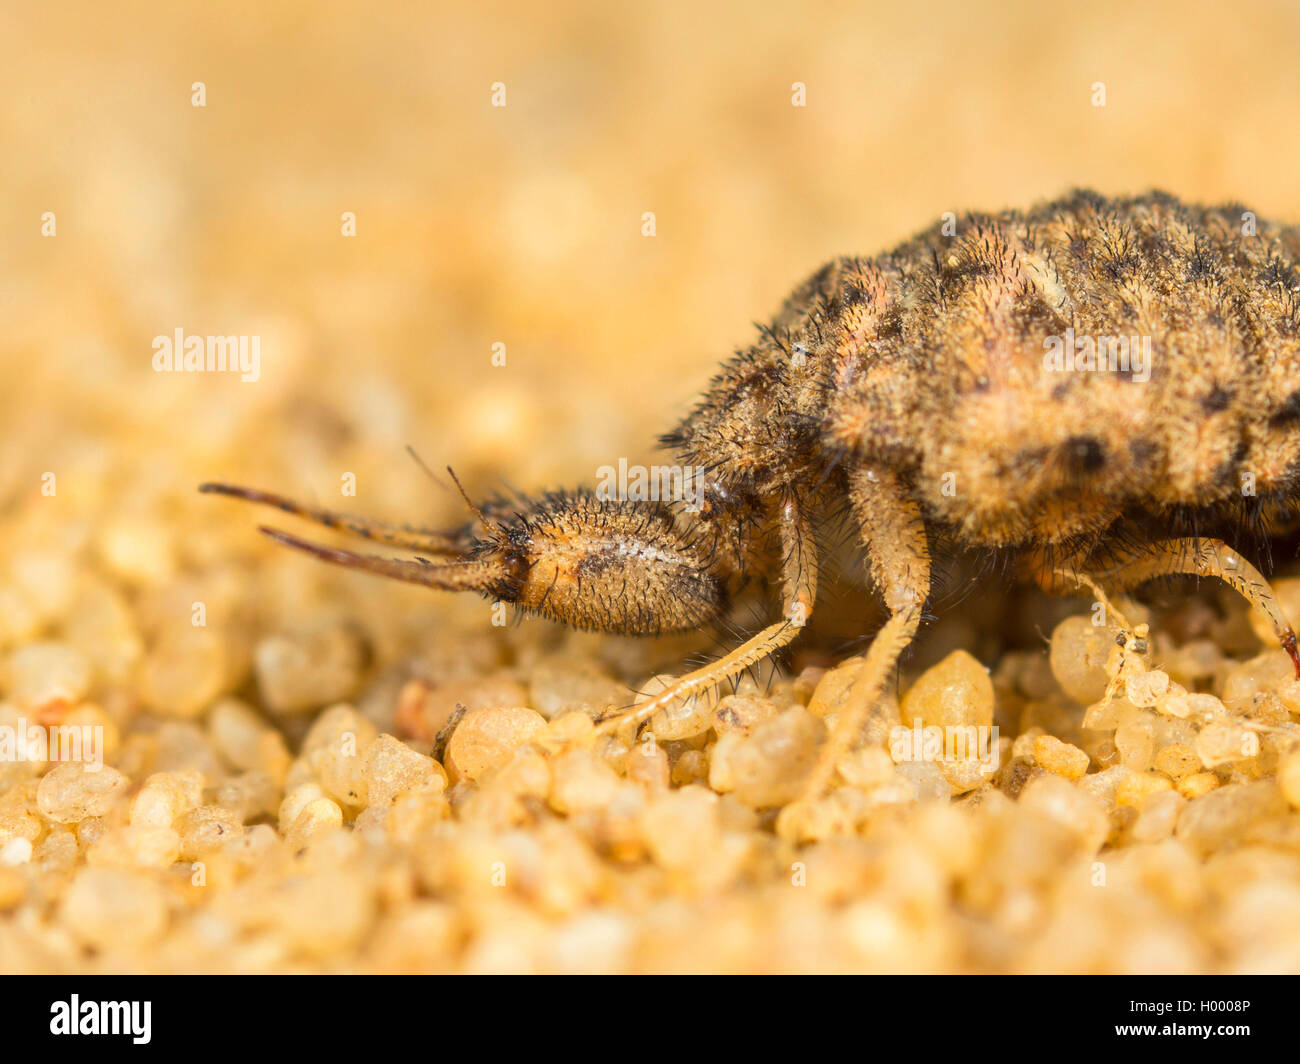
x,y
1108,389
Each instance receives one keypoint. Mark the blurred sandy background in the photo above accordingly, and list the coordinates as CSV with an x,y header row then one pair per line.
x,y
522,224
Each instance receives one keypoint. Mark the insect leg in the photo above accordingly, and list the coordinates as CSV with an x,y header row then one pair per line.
x,y
421,539
899,557
799,589
1207,557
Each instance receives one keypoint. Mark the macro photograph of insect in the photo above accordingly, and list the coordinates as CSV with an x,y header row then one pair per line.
x,y
650,489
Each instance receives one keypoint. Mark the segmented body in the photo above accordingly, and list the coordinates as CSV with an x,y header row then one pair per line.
x,y
933,360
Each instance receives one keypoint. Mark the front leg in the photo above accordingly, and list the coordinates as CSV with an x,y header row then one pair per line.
x,y
799,585
899,557
1206,557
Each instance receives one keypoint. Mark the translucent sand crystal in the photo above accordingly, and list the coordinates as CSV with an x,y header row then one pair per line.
x,y
681,828
955,693
556,689
136,847
16,851
1136,787
71,792
138,549
741,713
1135,740
1265,672
1288,776
316,815
300,671
1216,819
582,781
245,740
1224,741
104,628
207,830
19,621
184,671
1158,813
165,797
486,738
38,674
1082,814
115,908
1058,757
1198,784
47,579
1147,687
391,768
1079,652
769,766
1177,761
